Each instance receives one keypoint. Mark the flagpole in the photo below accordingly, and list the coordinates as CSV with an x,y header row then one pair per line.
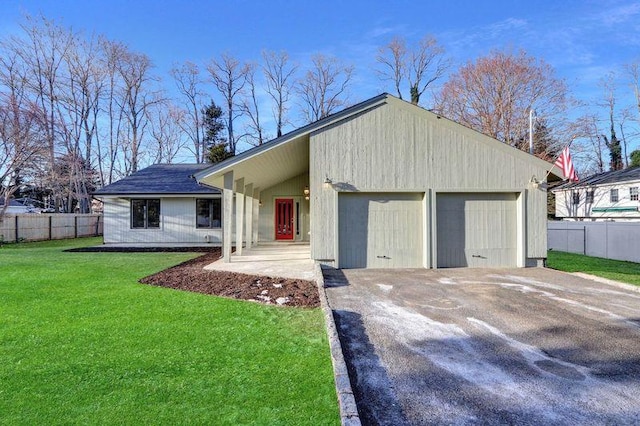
x,y
531,113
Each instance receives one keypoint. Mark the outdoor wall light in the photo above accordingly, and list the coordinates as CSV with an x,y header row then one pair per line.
x,y
535,183
327,182
306,193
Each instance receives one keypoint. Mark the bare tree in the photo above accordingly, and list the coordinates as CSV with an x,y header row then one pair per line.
x,y
420,67
279,75
495,93
189,82
323,88
20,129
137,98
166,131
108,155
254,131
229,76
43,51
612,142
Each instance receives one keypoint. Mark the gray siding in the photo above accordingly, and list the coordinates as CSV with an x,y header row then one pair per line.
x,y
177,223
292,188
394,147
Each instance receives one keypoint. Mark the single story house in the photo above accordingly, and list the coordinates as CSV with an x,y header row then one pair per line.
x,y
386,184
162,204
15,207
608,196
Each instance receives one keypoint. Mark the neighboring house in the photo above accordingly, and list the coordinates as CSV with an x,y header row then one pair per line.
x,y
15,207
162,204
386,184
604,196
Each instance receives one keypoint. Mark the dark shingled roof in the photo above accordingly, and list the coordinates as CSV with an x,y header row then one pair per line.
x,y
632,173
160,179
12,203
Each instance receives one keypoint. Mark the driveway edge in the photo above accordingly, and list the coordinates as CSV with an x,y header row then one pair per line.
x,y
348,410
618,284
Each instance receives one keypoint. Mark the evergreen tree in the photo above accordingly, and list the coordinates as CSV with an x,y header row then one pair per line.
x,y
615,149
217,147
635,158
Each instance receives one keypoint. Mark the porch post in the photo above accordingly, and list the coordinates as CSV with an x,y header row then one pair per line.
x,y
239,215
256,214
227,216
248,217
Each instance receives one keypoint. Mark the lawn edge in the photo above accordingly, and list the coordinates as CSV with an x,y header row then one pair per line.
x,y
346,401
619,284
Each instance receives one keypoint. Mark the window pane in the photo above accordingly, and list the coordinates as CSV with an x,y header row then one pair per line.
x,y
153,213
633,192
216,213
614,196
203,216
137,213
589,197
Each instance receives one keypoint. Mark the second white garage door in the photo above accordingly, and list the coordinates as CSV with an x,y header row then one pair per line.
x,y
476,230
380,230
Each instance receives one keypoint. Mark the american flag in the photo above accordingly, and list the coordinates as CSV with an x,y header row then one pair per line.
x,y
564,163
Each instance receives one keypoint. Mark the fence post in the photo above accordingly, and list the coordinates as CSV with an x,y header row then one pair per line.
x,y
50,227
16,220
75,226
97,225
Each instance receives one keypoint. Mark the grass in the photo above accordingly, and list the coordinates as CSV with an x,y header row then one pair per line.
x,y
81,342
628,272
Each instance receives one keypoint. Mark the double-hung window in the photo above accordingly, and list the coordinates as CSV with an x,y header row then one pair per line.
x,y
613,196
633,193
209,213
575,195
589,199
145,213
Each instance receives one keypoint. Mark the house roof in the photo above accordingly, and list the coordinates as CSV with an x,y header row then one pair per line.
x,y
160,179
12,203
290,152
606,178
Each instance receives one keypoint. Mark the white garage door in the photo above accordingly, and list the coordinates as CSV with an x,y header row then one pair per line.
x,y
380,230
476,230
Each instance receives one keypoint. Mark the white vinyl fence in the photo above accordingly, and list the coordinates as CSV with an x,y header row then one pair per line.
x,y
611,240
49,226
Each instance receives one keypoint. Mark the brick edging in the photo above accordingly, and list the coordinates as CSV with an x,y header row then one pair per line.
x,y
347,402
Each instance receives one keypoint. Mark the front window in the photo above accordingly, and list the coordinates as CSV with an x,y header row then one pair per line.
x,y
613,197
208,213
590,197
576,197
145,213
633,193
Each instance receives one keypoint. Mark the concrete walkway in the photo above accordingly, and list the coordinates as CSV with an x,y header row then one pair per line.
x,y
286,260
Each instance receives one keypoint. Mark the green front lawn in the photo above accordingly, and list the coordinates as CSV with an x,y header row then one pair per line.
x,y
628,272
82,342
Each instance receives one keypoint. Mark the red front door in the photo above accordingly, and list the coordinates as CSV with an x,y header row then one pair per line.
x,y
284,219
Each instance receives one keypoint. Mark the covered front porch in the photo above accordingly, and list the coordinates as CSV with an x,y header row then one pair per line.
x,y
286,260
265,203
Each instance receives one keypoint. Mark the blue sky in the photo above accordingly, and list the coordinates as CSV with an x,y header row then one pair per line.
x,y
582,40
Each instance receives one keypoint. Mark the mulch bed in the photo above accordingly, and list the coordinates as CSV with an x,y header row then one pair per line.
x,y
190,276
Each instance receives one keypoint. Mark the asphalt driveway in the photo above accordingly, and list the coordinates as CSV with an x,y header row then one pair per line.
x,y
480,346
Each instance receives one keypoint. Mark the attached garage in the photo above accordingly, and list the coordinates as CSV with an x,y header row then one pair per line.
x,y
477,230
381,230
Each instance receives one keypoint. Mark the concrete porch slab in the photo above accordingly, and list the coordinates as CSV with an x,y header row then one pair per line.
x,y
274,260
